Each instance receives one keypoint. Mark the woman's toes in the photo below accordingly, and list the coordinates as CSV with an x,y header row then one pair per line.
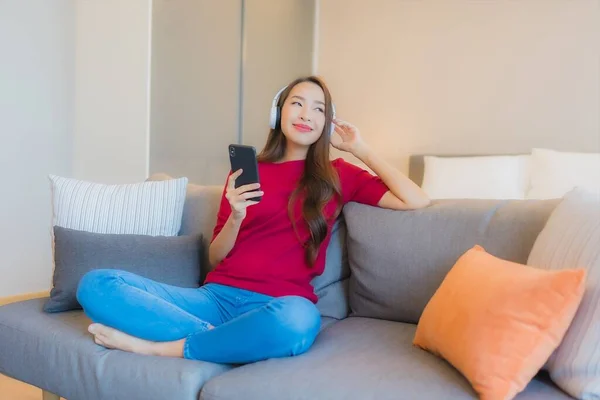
x,y
95,328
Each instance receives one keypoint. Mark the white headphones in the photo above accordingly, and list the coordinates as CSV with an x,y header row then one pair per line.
x,y
276,112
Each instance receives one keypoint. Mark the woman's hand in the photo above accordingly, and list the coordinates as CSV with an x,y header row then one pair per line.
x,y
351,140
238,198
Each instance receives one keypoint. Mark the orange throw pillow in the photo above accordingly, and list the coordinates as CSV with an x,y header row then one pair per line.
x,y
498,322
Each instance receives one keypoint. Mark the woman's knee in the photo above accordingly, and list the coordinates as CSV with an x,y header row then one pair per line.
x,y
299,321
95,283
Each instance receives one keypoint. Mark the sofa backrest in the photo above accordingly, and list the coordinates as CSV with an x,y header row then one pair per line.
x,y
398,259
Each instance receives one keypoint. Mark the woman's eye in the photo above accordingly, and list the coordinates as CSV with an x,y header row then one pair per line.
x,y
297,102
320,109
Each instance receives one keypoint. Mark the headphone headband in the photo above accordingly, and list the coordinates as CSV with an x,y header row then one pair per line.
x,y
276,98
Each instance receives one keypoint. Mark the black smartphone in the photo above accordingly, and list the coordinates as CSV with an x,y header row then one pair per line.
x,y
244,157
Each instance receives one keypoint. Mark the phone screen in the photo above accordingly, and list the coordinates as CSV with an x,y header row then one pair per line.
x,y
244,157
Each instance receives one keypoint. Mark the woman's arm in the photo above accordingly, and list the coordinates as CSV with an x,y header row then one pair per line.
x,y
223,243
238,201
404,194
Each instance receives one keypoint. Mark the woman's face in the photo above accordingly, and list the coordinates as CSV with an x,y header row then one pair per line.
x,y
303,114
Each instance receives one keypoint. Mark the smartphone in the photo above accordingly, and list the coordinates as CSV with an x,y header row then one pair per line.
x,y
244,157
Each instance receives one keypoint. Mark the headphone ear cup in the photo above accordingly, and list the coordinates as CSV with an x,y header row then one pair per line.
x,y
275,111
273,117
332,123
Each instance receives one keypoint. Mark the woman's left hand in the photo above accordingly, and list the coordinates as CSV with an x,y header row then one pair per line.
x,y
351,139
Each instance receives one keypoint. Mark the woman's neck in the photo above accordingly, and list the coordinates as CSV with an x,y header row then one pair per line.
x,y
294,153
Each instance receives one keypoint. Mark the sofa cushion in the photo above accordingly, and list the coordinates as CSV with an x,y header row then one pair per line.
x,y
174,260
145,208
476,177
331,287
200,216
56,353
357,358
554,173
571,239
497,321
399,258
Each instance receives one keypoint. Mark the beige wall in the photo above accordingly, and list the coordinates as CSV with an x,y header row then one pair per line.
x,y
195,87
458,77
37,47
112,51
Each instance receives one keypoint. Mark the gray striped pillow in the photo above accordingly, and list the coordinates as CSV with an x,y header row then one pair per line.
x,y
147,208
571,239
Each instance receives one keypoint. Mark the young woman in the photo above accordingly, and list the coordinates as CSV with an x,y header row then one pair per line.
x,y
258,302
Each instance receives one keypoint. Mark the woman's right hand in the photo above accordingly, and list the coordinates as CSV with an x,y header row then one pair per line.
x,y
238,197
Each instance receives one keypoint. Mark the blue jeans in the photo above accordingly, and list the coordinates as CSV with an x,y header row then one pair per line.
x,y
220,323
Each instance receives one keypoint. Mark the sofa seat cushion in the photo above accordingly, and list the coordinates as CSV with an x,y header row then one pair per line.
x,y
358,358
55,352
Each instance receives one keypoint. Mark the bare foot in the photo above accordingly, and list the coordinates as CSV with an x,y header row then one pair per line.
x,y
114,339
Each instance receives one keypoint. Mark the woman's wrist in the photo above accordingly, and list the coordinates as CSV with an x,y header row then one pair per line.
x,y
362,152
234,220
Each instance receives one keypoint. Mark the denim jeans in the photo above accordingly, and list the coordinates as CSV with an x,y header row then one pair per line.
x,y
219,323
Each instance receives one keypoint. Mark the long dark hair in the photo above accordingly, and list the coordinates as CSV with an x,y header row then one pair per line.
x,y
319,182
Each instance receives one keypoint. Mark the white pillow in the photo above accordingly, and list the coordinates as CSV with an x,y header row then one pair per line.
x,y
476,177
571,239
148,208
555,173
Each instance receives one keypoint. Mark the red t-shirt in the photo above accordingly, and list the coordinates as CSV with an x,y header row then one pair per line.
x,y
268,257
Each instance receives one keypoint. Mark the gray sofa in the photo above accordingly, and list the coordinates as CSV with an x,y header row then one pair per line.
x,y
382,268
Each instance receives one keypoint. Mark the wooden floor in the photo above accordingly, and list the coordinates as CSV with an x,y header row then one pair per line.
x,y
11,389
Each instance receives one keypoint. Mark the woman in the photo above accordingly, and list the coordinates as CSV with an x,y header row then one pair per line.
x,y
258,302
